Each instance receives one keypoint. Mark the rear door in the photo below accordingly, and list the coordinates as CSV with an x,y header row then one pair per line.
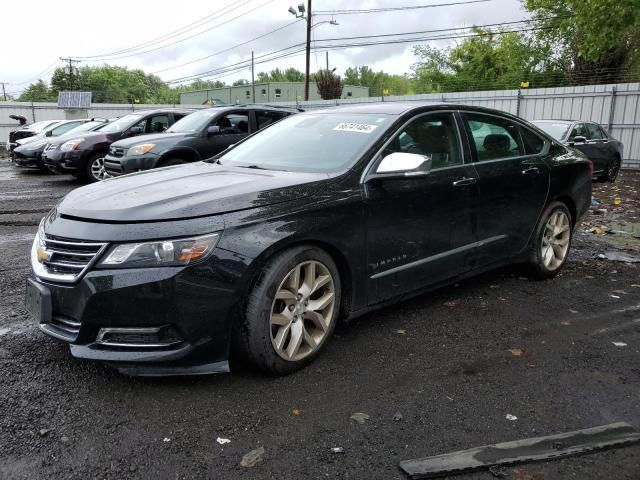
x,y
514,183
603,150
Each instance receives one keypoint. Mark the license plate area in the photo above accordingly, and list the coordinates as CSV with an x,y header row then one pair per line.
x,y
37,300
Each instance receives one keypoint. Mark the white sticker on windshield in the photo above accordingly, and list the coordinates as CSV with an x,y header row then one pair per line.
x,y
355,127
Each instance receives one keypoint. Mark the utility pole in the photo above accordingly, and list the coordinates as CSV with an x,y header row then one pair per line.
x,y
71,62
253,78
327,52
306,78
4,93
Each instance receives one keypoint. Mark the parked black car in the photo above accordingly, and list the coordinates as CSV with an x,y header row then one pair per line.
x,y
324,215
590,138
26,131
83,156
29,155
200,135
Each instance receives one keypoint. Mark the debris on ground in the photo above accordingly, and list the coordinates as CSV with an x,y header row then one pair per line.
x,y
252,458
451,303
511,418
618,256
222,441
359,417
520,451
44,431
594,201
517,352
401,332
614,296
397,417
498,471
296,412
619,344
337,450
166,439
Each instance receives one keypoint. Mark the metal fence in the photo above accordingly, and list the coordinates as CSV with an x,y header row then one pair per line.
x,y
615,107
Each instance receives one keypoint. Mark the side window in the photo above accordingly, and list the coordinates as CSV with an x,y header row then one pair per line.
x,y
434,136
278,93
579,130
493,137
62,129
142,125
233,123
595,132
267,118
533,144
157,124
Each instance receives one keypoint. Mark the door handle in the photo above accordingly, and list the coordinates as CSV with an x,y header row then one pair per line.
x,y
531,171
464,181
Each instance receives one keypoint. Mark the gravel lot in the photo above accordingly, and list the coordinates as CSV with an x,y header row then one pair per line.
x,y
442,361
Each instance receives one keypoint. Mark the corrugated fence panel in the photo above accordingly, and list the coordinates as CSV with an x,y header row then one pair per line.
x,y
590,102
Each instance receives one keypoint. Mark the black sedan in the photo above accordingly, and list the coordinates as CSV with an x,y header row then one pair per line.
x,y
323,216
591,139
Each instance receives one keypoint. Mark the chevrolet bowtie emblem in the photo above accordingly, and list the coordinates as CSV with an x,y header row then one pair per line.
x,y
42,255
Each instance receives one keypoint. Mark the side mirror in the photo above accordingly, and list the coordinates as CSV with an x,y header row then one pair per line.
x,y
133,131
579,139
403,165
213,130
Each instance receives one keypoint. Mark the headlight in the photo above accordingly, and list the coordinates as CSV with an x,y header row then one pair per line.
x,y
160,253
141,149
71,144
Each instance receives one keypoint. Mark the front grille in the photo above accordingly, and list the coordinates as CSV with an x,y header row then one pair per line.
x,y
62,327
65,260
113,167
117,152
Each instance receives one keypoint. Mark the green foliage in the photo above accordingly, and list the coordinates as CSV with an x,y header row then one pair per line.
x,y
378,82
240,82
277,75
329,84
38,92
485,61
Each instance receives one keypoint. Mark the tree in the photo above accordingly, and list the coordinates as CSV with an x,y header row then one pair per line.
x,y
240,82
329,84
289,75
38,92
593,40
378,82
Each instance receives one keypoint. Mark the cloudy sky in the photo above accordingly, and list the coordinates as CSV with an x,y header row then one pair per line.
x,y
161,36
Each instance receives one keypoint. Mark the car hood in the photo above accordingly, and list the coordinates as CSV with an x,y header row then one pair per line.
x,y
30,139
35,144
150,138
185,191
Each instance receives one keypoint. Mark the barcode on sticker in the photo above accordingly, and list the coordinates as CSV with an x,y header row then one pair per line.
x,y
355,127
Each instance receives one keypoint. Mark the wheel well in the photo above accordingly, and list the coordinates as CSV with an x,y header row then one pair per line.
x,y
336,255
181,154
570,205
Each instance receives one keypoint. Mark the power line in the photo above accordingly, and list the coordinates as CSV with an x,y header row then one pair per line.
x,y
185,38
392,9
227,49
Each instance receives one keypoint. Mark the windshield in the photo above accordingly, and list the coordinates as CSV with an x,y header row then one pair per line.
x,y
40,126
85,127
122,123
557,130
193,122
321,142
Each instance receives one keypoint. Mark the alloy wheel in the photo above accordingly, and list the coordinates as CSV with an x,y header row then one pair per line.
x,y
614,168
98,171
555,240
302,311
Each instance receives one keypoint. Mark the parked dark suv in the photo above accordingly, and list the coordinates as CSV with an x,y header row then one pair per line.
x,y
82,156
590,138
198,136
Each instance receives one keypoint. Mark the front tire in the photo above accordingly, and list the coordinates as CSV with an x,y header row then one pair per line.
x,y
94,169
291,311
552,241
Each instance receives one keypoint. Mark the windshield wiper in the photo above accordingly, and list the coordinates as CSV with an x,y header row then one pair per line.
x,y
255,167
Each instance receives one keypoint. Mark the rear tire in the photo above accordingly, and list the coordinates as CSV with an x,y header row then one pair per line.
x,y
291,311
552,241
612,170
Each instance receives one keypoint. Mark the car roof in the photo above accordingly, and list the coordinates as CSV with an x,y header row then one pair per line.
x,y
164,110
247,106
547,120
401,108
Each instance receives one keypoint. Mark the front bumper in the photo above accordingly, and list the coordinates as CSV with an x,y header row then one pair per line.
x,y
62,162
192,305
28,160
116,166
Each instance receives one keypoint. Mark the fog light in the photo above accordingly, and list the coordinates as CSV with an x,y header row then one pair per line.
x,y
148,337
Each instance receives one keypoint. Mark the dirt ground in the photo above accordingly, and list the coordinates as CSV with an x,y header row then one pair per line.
x,y
443,361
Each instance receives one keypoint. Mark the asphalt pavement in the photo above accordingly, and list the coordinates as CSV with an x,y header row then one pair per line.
x,y
435,374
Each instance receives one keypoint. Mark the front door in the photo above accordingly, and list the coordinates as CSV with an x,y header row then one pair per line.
x,y
234,126
418,229
514,183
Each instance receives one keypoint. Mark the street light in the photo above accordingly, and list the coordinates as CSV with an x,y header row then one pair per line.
x,y
301,14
